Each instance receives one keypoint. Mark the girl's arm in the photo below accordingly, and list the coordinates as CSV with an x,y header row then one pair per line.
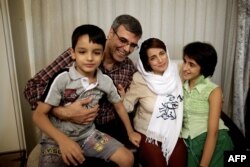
x,y
70,150
215,105
134,137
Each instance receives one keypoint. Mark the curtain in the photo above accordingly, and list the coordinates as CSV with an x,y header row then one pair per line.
x,y
175,22
229,50
242,64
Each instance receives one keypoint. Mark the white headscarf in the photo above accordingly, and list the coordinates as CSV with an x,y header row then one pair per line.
x,y
166,121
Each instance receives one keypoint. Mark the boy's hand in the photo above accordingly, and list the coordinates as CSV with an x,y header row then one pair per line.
x,y
135,138
71,152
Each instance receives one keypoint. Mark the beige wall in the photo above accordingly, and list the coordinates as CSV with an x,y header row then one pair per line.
x,y
18,28
10,112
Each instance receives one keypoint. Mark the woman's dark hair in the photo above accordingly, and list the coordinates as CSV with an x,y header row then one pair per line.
x,y
96,34
147,44
204,54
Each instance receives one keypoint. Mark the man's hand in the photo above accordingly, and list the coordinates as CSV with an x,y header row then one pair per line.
x,y
76,112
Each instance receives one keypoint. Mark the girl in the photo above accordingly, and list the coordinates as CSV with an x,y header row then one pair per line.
x,y
205,134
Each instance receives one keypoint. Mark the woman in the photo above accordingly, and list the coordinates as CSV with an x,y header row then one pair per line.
x,y
156,90
204,132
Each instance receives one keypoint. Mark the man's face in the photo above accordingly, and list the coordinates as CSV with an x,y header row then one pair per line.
x,y
121,43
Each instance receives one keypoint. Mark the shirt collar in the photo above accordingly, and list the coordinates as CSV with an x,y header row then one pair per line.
x,y
75,75
200,83
116,66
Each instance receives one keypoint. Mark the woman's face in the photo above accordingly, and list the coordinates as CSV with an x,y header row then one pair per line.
x,y
158,60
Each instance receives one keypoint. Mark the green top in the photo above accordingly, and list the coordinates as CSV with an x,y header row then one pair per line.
x,y
196,108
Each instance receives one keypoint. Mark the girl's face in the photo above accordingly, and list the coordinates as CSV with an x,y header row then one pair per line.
x,y
88,56
158,60
190,69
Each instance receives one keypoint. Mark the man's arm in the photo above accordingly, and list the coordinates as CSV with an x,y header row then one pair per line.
x,y
76,112
36,86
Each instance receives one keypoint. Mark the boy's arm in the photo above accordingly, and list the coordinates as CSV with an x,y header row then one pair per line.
x,y
134,137
70,150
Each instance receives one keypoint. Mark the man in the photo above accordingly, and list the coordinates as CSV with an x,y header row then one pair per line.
x,y
122,40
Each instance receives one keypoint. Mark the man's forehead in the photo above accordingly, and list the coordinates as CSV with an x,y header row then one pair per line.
x,y
122,31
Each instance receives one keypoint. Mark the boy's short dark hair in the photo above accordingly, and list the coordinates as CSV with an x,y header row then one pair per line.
x,y
96,34
130,23
204,54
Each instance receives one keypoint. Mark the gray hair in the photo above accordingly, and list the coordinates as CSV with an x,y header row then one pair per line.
x,y
130,23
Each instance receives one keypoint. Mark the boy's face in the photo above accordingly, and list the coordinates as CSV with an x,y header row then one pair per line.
x,y
87,55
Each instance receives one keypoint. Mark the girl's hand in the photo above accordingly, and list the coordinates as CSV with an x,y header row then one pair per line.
x,y
135,138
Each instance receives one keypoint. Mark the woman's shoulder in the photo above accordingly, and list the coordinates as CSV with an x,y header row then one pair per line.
x,y
138,77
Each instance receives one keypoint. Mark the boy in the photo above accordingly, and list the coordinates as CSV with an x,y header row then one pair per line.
x,y
82,79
